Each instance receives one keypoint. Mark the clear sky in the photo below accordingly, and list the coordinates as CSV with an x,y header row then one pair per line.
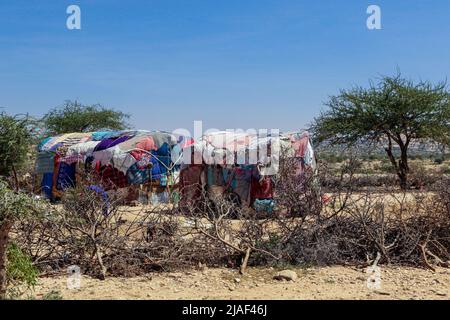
x,y
231,63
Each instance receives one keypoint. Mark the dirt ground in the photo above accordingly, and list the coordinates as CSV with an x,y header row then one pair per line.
x,y
330,283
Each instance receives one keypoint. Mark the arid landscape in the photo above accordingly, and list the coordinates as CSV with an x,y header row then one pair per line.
x,y
208,150
330,283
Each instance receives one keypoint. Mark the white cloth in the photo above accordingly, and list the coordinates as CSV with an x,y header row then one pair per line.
x,y
116,157
83,148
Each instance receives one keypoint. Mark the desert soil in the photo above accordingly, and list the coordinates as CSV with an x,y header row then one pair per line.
x,y
219,283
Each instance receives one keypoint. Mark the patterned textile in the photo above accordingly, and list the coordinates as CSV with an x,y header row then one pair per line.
x,y
83,148
242,175
100,135
264,205
44,162
163,137
147,168
146,144
300,144
72,158
65,140
116,157
66,176
261,189
109,143
113,178
164,155
47,185
42,143
138,175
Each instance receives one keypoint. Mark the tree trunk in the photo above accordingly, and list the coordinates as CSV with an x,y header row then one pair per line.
x,y
5,227
245,261
16,180
98,254
403,168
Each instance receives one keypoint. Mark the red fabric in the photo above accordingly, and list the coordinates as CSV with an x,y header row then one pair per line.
x,y
300,146
261,189
111,177
187,143
97,166
55,192
147,144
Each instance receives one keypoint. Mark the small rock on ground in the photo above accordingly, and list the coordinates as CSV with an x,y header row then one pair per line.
x,y
288,275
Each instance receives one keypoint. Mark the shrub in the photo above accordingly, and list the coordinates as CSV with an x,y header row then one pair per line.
x,y
21,274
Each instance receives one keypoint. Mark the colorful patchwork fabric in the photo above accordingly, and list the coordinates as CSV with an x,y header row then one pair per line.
x,y
72,158
100,135
66,176
138,175
109,143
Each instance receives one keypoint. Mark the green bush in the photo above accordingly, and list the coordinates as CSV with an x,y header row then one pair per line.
x,y
20,272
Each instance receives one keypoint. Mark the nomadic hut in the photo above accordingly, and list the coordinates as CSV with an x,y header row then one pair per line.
x,y
241,165
112,160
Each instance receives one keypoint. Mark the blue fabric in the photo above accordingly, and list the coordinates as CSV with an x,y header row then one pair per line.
x,y
47,184
163,180
175,155
100,135
104,195
138,175
66,176
41,144
266,205
163,154
56,146
157,169
44,162
215,175
226,173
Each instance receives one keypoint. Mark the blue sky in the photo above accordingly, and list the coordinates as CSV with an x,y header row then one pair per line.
x,y
230,63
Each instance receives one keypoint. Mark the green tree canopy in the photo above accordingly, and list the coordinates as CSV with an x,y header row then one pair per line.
x,y
15,140
395,111
75,117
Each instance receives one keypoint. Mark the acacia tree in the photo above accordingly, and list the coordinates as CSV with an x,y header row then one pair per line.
x,y
76,117
15,140
396,111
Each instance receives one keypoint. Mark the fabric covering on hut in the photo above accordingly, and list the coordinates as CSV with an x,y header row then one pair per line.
x,y
114,159
241,165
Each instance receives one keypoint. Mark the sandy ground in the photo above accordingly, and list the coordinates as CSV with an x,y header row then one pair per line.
x,y
312,283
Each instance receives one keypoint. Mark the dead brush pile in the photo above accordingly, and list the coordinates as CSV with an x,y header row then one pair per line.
x,y
314,224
